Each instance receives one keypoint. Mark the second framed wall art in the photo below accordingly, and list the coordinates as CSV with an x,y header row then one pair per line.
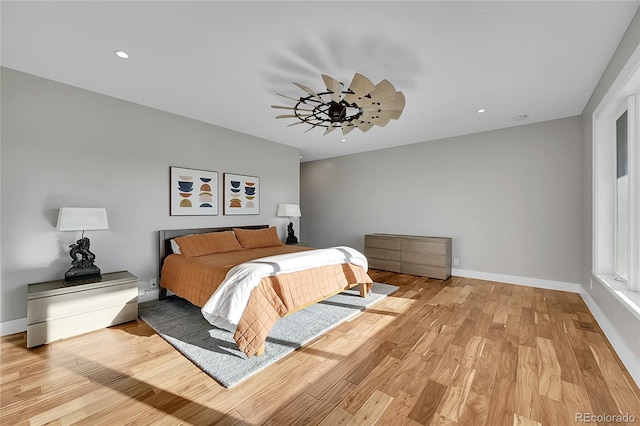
x,y
241,194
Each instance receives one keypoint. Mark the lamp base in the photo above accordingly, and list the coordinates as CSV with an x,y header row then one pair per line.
x,y
78,273
291,238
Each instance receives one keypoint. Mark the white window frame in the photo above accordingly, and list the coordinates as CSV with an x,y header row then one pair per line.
x,y
624,94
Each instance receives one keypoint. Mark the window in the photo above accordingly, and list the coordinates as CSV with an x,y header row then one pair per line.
x,y
616,183
622,206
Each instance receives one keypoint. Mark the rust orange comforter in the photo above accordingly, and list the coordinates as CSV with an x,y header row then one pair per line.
x,y
195,279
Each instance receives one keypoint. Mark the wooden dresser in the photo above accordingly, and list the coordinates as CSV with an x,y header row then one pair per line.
x,y
409,254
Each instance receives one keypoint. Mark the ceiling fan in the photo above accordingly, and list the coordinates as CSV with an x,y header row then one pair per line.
x,y
363,105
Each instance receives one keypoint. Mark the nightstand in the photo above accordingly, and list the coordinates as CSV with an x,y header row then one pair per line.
x,y
300,244
56,310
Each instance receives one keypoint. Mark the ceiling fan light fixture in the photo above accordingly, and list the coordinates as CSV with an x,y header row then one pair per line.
x,y
363,105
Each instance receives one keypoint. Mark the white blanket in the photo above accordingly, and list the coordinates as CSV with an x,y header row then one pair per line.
x,y
227,304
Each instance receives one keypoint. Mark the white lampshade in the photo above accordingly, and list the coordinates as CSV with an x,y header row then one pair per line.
x,y
82,219
288,210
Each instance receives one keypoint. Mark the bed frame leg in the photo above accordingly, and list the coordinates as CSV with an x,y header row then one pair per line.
x,y
364,288
260,350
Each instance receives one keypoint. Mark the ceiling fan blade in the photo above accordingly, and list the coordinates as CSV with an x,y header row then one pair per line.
x,y
289,97
391,114
334,86
364,126
309,91
311,128
377,119
360,86
347,127
396,101
293,124
390,109
383,90
330,129
380,121
395,104
293,115
291,108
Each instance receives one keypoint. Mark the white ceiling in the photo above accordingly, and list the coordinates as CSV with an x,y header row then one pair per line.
x,y
223,62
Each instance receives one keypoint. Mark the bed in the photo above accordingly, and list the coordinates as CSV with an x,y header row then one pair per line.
x,y
205,256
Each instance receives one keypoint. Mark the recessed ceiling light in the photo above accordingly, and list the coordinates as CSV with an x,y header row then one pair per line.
x,y
121,54
521,117
481,110
343,140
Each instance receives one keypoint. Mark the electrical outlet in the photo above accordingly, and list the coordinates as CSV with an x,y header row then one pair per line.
x,y
456,262
153,283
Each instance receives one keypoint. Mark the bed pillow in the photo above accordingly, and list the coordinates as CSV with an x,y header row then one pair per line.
x,y
209,243
256,238
175,248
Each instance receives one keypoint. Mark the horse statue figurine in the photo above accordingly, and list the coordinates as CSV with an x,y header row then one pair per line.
x,y
81,248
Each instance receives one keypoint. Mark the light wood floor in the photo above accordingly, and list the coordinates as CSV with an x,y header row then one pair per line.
x,y
460,352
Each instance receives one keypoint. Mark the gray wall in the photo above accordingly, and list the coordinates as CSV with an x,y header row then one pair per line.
x,y
510,199
64,146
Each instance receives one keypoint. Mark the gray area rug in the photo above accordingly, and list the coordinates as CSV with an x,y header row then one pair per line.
x,y
215,352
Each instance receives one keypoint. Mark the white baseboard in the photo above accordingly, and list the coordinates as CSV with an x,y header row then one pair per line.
x,y
148,295
12,327
517,280
625,353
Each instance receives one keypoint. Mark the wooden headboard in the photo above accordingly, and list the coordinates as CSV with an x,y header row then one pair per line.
x,y
166,235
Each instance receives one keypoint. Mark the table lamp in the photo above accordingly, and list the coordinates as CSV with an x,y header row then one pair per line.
x,y
290,211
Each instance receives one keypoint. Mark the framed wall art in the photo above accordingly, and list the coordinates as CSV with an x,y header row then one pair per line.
x,y
241,194
193,192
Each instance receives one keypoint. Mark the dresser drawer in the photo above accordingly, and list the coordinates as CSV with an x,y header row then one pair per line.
x,y
424,259
427,247
440,273
385,265
380,253
383,242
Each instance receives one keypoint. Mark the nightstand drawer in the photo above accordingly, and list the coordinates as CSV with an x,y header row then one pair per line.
x,y
49,331
54,307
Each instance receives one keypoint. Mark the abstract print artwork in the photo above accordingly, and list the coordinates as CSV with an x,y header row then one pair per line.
x,y
193,192
241,194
